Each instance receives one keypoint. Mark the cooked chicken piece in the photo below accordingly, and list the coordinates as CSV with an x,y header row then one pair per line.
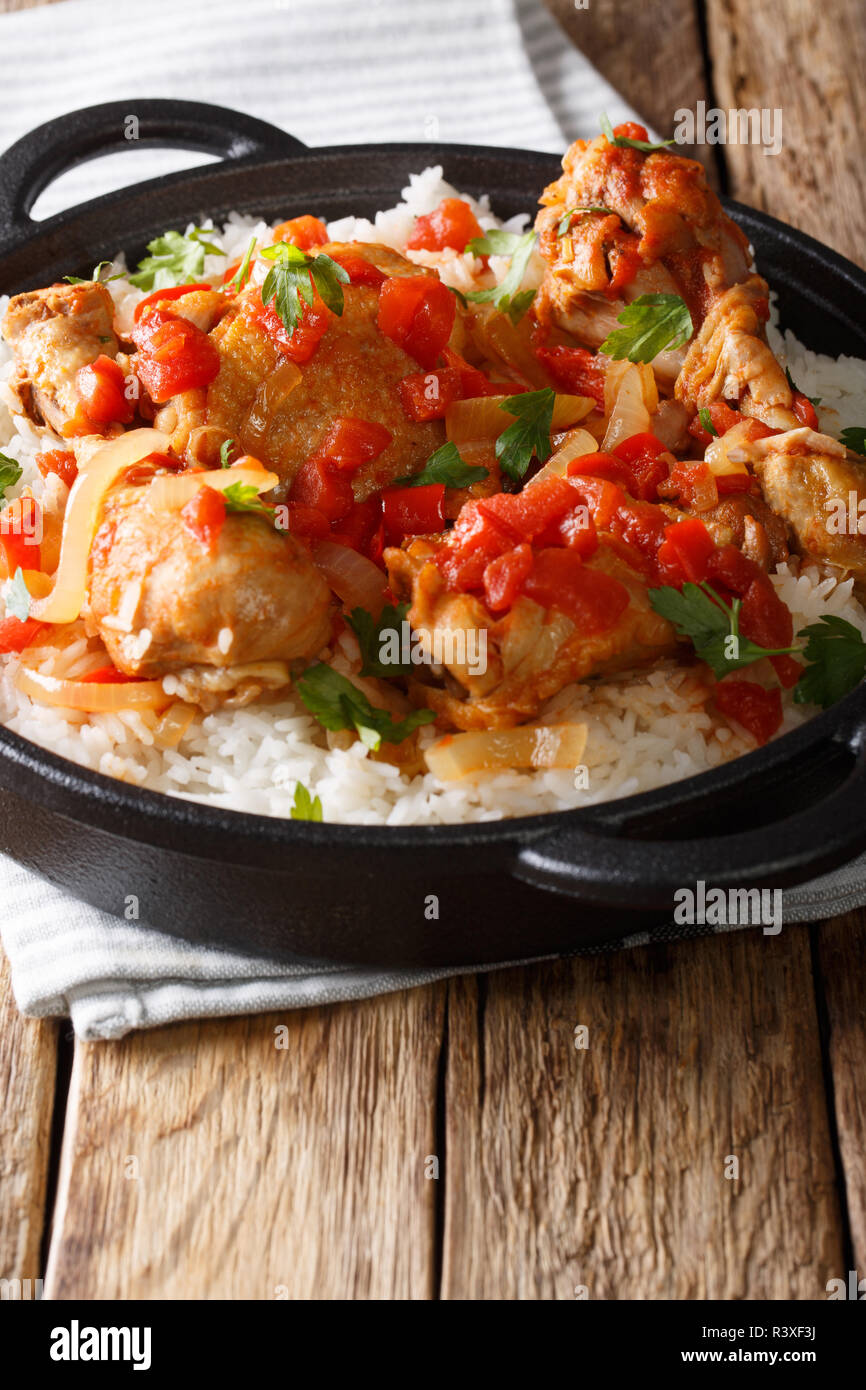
x,y
179,418
203,308
162,601
660,230
819,487
746,522
354,371
54,332
531,653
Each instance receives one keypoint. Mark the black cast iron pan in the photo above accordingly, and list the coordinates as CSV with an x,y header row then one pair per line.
x,y
345,893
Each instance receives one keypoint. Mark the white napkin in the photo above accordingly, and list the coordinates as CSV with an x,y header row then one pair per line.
x,y
497,72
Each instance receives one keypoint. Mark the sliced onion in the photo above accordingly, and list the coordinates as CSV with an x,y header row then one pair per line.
x,y
170,492
269,397
477,419
95,477
717,454
635,400
575,444
496,750
497,336
88,696
353,578
174,724
568,410
705,493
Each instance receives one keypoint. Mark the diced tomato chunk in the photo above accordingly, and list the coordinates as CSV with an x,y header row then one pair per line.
x,y
15,635
729,483
324,488
575,370
173,356
417,313
358,529
593,600
299,347
106,675
359,270
641,525
204,516
101,388
603,497
685,552
452,224
804,410
350,442
526,514
20,532
631,130
427,395
602,466
413,511
640,453
758,710
304,232
474,383
308,522
476,539
504,577
59,461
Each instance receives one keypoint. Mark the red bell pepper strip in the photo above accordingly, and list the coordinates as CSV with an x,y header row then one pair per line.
x,y
171,292
452,224
413,511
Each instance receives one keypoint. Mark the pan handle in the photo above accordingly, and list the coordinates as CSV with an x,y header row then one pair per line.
x,y
608,862
30,165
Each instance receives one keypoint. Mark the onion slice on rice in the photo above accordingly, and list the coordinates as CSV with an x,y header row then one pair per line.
x,y
65,601
533,746
353,578
89,696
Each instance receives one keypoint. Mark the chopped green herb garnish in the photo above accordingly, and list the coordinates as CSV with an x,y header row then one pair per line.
x,y
369,632
625,142
565,224
17,597
445,466
305,807
497,242
651,323
292,277
854,438
174,260
459,296
226,448
96,278
242,274
706,421
10,474
530,433
519,304
242,497
338,704
837,653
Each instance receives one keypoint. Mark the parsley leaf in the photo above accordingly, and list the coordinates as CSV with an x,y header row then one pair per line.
x,y
565,224
242,274
507,296
369,633
445,466
625,142
225,449
305,807
338,704
652,323
530,433
854,438
815,400
10,473
97,276
242,497
707,422
292,277
837,654
713,628
17,597
174,260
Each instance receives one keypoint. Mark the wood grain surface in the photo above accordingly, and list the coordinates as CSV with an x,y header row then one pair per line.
x,y
28,1054
202,1161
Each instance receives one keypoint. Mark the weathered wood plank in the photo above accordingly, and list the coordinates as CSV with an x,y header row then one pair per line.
x,y
605,1167
806,60
202,1161
842,961
28,1058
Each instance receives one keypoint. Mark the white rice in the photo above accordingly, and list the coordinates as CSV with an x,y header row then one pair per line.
x,y
646,729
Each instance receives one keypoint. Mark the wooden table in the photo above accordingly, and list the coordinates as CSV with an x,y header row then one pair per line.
x,y
202,1161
